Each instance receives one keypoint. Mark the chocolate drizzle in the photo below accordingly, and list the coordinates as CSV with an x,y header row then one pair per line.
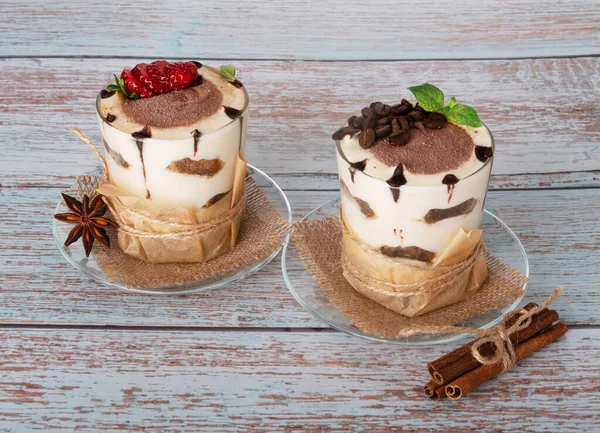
x,y
395,193
352,171
198,64
110,118
106,94
450,180
139,141
196,134
483,153
397,178
231,112
236,83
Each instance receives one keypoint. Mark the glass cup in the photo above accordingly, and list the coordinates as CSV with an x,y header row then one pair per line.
x,y
187,172
393,236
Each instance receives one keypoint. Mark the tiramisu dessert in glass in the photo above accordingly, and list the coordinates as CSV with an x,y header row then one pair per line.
x,y
413,179
174,136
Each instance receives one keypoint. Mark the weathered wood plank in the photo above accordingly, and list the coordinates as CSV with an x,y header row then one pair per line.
x,y
336,29
113,381
560,231
544,113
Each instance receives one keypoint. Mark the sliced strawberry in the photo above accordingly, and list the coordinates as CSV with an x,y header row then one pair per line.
x,y
181,74
133,85
142,73
146,80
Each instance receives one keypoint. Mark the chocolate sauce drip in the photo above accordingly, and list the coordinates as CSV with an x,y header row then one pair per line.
x,y
359,165
139,141
110,118
232,112
450,180
236,83
483,153
397,178
198,64
395,193
106,94
196,134
352,171
144,133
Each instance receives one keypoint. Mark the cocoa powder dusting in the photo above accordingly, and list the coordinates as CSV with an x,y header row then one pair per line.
x,y
429,151
179,108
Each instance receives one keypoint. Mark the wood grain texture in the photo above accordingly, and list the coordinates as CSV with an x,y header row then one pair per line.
x,y
167,382
544,113
336,29
559,229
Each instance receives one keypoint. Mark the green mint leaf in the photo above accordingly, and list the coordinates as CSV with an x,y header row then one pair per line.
x,y
451,102
133,95
228,72
428,96
463,115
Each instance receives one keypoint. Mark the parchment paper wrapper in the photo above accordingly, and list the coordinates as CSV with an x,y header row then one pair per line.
x,y
262,232
410,287
170,234
319,244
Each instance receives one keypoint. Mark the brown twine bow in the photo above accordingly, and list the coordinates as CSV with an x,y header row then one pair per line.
x,y
499,336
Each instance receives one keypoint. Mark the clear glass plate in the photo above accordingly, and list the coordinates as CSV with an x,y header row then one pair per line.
x,y
498,238
88,265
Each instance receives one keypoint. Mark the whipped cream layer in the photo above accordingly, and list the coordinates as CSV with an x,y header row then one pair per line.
x,y
188,164
415,214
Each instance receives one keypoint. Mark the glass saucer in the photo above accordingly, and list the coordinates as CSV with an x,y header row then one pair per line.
x,y
88,265
498,238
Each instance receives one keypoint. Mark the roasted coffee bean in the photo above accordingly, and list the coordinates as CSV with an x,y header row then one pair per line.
x,y
366,139
383,131
377,107
399,138
419,125
396,125
416,115
386,110
419,108
399,110
350,120
435,121
342,132
405,122
369,123
374,104
407,104
367,112
384,121
358,122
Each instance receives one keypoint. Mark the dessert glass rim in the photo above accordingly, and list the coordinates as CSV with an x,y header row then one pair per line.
x,y
485,164
240,114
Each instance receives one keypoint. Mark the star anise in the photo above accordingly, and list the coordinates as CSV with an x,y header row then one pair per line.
x,y
90,223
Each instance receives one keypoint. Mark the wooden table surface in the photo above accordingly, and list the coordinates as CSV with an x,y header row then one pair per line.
x,y
76,355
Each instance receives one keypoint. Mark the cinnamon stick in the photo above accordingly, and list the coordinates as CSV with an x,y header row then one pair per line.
x,y
467,362
434,391
452,357
468,382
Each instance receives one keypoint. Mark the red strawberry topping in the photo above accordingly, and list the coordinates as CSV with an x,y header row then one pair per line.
x,y
156,78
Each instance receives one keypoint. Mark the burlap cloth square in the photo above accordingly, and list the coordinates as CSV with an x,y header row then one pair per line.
x,y
262,232
319,244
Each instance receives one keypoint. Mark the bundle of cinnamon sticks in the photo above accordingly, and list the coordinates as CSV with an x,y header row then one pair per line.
x,y
458,373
